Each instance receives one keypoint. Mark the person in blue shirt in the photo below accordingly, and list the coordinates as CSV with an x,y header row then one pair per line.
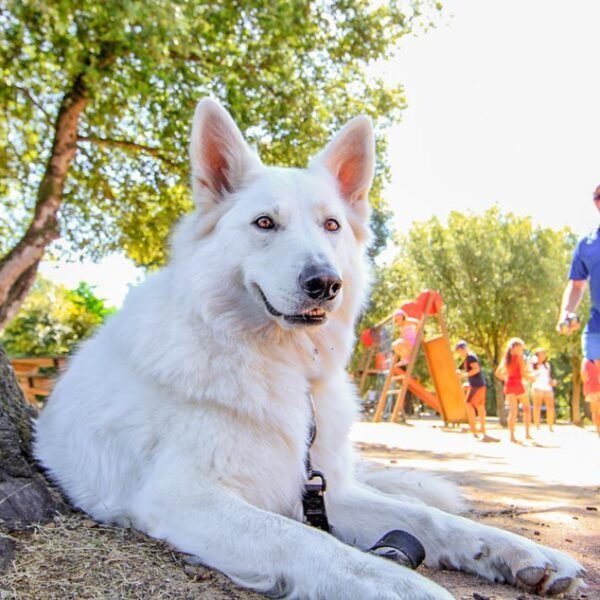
x,y
585,268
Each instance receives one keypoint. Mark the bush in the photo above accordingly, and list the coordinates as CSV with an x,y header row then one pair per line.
x,y
54,319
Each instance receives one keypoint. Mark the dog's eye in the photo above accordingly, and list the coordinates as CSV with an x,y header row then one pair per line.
x,y
264,222
331,225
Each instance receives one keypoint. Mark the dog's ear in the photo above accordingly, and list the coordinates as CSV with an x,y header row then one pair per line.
x,y
350,158
221,159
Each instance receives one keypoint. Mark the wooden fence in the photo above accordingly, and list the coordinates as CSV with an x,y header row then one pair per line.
x,y
36,375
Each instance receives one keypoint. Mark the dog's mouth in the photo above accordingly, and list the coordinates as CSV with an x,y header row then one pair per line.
x,y
312,316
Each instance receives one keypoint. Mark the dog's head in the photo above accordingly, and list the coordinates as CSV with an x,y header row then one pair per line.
x,y
281,245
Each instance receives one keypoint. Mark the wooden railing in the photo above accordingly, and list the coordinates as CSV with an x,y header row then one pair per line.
x,y
36,375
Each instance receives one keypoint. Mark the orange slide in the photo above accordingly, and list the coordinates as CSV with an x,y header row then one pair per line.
x,y
424,395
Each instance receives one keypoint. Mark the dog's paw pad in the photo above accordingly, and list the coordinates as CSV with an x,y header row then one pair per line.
x,y
531,576
560,586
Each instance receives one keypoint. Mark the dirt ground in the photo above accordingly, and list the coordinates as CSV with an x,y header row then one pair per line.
x,y
547,490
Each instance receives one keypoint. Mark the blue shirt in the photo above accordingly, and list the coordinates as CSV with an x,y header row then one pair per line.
x,y
586,265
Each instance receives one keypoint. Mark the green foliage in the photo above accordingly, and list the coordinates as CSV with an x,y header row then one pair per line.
x,y
499,276
290,72
54,319
392,285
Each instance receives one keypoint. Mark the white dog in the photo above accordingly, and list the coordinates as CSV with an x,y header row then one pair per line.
x,y
188,415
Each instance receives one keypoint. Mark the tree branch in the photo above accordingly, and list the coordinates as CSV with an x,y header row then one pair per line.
x,y
33,101
127,146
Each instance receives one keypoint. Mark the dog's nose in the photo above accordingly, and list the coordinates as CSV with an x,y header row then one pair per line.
x,y
320,283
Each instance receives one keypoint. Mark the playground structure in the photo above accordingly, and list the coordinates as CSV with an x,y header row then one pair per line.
x,y
449,398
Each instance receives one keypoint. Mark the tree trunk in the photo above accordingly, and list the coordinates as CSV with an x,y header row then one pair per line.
x,y
26,496
498,387
19,266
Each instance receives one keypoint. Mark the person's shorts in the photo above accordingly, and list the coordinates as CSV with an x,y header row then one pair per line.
x,y
476,396
590,343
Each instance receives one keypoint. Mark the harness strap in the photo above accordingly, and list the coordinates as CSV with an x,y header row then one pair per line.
x,y
313,497
396,545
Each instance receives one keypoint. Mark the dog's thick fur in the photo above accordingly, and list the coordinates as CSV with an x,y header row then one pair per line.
x,y
187,415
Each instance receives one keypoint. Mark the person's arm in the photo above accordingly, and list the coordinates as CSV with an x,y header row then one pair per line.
x,y
572,297
574,291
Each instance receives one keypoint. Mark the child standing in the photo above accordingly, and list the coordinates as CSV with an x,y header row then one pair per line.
x,y
513,371
590,373
471,369
542,388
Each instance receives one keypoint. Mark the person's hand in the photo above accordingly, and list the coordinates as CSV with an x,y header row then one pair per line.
x,y
568,323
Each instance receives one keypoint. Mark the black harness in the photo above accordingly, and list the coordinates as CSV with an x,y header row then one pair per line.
x,y
313,497
399,546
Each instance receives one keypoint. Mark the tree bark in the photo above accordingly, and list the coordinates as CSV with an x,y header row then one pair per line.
x,y
26,497
19,266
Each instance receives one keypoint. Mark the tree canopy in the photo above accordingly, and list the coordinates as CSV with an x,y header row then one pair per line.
x,y
499,275
98,100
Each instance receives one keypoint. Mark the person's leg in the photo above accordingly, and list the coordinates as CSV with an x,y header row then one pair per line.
x,y
524,399
406,350
513,409
471,411
479,403
537,407
471,419
595,408
550,410
481,414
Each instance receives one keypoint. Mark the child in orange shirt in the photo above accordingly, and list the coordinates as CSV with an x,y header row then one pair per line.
x,y
590,374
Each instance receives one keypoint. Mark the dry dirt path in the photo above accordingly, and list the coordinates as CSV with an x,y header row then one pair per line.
x,y
547,490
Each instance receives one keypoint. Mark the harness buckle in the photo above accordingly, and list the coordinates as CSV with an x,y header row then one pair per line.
x,y
313,502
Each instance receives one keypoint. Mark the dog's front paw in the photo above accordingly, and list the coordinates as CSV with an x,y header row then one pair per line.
x,y
369,577
565,573
501,556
